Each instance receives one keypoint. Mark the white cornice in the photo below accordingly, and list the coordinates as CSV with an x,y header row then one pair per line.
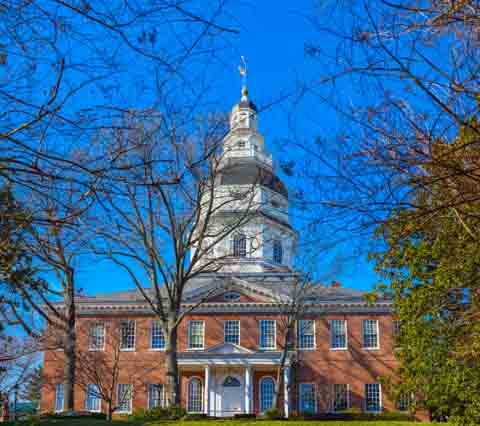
x,y
237,307
253,358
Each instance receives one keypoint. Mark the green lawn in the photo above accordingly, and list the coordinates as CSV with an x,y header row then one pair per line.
x,y
96,422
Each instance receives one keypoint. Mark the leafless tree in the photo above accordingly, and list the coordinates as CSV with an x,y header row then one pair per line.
x,y
55,247
164,236
65,67
67,74
292,303
15,370
101,368
401,77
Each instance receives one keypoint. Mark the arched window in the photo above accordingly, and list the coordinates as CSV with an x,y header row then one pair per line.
x,y
277,252
267,391
239,245
195,396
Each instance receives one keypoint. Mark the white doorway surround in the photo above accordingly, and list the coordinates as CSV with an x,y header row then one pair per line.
x,y
229,377
230,391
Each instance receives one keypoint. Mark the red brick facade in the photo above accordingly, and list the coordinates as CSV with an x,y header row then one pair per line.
x,y
322,366
260,278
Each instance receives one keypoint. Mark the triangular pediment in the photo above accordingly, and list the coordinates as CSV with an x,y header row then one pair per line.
x,y
228,348
211,292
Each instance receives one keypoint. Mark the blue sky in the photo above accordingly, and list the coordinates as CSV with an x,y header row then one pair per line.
x,y
271,37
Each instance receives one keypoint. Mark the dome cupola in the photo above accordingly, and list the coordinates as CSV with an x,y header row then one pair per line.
x,y
244,113
249,189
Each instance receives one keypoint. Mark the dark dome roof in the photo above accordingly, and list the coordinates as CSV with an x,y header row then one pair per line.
x,y
247,104
247,173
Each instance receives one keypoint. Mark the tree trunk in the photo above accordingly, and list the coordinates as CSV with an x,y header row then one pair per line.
x,y
281,367
69,346
110,411
279,384
173,384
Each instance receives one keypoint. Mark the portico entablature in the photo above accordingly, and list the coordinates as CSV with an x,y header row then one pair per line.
x,y
231,355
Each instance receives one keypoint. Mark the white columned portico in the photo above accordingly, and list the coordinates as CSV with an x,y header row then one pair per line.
x,y
286,387
206,408
248,389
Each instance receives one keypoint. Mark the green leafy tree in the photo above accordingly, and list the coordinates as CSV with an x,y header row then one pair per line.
x,y
430,262
16,270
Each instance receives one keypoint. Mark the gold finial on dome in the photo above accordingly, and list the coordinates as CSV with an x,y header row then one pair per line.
x,y
244,92
243,72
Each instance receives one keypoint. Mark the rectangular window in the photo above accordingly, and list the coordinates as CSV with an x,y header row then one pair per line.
x,y
306,334
308,402
340,397
268,339
157,338
396,332
127,335
59,397
373,397
404,402
156,396
370,334
94,400
231,329
124,398
338,334
396,328
96,336
195,334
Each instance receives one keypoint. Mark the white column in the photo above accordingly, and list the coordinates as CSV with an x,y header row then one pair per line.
x,y
286,385
248,390
206,405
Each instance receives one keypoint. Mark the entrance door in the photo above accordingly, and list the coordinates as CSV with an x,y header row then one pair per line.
x,y
232,396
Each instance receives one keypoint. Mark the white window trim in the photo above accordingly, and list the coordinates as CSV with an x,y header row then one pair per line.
x,y
134,337
104,338
396,324
162,403
61,410
203,336
262,379
202,392
402,410
301,348
151,348
380,406
300,397
373,348
243,142
239,331
345,348
410,400
131,399
86,401
395,335
349,402
277,244
274,347
232,245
